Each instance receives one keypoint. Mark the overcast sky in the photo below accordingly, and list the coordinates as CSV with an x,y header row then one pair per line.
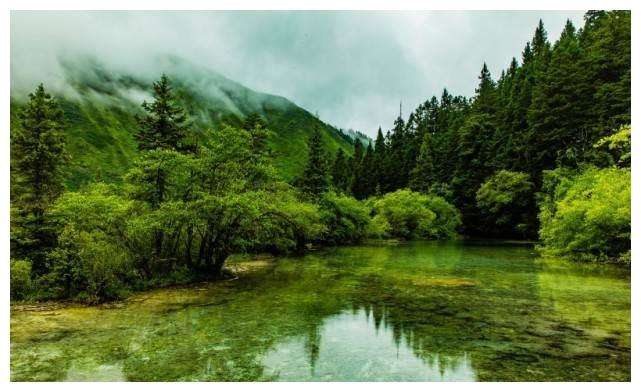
x,y
353,68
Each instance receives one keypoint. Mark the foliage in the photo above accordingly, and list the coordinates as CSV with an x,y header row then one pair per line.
x,y
587,215
503,200
315,178
184,206
422,174
544,111
345,218
95,255
411,215
164,126
20,275
38,155
341,176
619,146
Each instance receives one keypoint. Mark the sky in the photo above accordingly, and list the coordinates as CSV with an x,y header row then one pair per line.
x,y
352,68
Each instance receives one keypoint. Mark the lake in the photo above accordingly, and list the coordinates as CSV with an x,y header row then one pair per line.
x,y
416,311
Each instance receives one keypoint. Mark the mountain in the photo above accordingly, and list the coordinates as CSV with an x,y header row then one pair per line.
x,y
100,106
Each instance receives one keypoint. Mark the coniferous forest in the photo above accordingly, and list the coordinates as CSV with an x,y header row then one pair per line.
x,y
541,152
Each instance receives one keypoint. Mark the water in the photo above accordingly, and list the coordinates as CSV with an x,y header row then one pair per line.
x,y
421,311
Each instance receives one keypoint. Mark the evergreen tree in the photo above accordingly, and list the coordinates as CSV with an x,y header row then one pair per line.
x,y
38,153
606,41
253,121
485,98
422,175
354,165
558,116
315,178
380,160
364,183
163,128
257,128
396,165
340,172
165,125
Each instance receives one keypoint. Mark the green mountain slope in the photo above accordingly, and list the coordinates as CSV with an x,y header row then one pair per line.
x,y
100,106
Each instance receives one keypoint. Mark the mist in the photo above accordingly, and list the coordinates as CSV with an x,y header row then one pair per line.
x,y
352,68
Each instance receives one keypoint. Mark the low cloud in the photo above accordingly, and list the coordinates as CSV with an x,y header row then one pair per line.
x,y
353,68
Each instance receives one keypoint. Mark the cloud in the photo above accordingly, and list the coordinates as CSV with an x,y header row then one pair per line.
x,y
352,68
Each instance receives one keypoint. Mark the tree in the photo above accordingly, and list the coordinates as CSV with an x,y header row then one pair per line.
x,y
485,98
165,125
474,152
364,182
606,42
559,114
380,160
587,216
340,172
257,128
38,155
345,218
504,200
397,165
315,179
422,175
619,146
407,214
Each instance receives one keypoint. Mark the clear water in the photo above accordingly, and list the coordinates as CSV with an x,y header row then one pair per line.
x,y
421,311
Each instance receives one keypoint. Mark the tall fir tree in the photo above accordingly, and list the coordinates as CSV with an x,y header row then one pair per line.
x,y
364,183
485,98
315,178
340,172
380,160
559,114
38,156
165,124
422,176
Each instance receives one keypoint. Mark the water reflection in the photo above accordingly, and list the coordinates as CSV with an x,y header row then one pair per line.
x,y
419,311
349,346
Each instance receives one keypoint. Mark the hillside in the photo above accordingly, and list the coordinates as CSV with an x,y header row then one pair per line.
x,y
100,106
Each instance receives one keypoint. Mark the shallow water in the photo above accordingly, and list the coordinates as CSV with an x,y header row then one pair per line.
x,y
421,311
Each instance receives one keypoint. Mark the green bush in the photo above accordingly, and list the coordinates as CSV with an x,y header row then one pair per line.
x,y
587,216
407,214
93,260
506,203
20,272
87,266
346,219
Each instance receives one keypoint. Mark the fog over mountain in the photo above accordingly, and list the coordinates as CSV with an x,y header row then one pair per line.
x,y
352,68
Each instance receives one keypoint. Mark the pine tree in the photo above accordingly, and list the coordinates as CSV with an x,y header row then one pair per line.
x,y
606,41
38,152
253,121
340,172
422,175
558,116
315,178
380,160
165,125
257,128
485,98
396,166
364,179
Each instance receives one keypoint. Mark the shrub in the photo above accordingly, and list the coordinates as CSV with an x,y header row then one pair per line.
x,y
587,216
506,203
407,214
93,259
20,272
345,218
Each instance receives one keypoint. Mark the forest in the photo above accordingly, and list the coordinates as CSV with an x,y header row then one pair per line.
x,y
541,153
